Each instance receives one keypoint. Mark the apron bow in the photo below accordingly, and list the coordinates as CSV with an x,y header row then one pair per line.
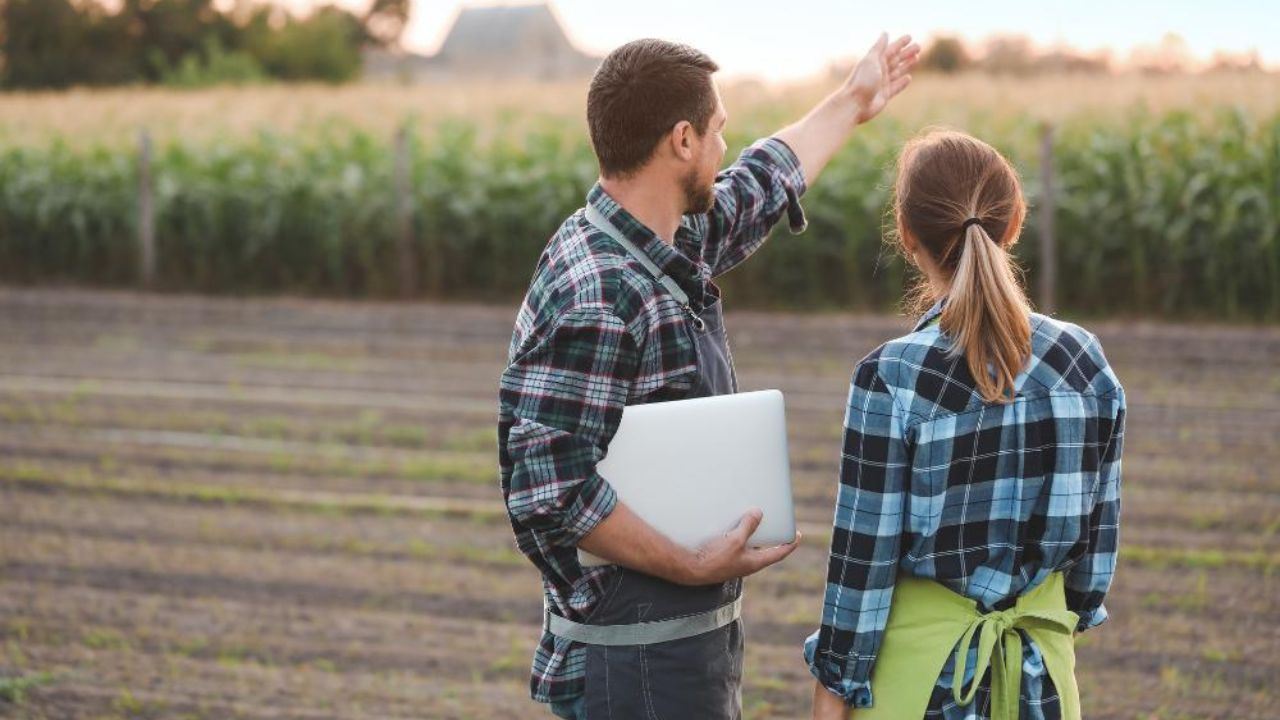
x,y
1000,648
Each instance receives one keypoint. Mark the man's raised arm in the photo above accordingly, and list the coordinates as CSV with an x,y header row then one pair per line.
x,y
767,180
882,73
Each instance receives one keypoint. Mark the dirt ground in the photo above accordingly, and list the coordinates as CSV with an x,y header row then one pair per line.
x,y
289,509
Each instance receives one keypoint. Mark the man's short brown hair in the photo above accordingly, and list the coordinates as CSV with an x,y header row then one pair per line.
x,y
637,96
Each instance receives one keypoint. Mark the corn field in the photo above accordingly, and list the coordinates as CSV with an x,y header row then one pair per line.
x,y
1169,213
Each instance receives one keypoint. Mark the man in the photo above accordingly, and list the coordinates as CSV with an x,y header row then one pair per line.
x,y
622,311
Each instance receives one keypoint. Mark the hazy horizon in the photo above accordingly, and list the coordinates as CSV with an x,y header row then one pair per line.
x,y
755,41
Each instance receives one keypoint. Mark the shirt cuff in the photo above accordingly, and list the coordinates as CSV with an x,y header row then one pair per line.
x,y
835,676
596,499
1092,619
779,157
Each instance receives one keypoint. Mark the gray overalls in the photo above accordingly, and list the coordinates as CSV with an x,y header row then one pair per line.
x,y
696,675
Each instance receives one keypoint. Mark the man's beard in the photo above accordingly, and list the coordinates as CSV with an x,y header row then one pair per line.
x,y
698,198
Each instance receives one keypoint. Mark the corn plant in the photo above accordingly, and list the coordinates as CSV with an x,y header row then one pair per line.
x,y
1171,214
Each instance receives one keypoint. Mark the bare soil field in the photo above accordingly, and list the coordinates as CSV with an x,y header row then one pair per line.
x,y
218,508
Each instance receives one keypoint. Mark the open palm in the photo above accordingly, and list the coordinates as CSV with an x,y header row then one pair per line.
x,y
881,74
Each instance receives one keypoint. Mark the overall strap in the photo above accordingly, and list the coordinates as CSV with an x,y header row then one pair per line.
x,y
597,218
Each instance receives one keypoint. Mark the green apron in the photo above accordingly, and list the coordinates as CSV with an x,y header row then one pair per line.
x,y
927,621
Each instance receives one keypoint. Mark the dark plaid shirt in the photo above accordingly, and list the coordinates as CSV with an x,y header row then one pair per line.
x,y
986,498
596,333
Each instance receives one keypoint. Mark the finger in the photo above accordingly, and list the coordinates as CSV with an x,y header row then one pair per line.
x,y
906,60
785,548
899,85
911,55
747,525
897,45
764,557
901,69
881,43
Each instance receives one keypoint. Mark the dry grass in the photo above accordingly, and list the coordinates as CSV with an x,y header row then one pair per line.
x,y
115,115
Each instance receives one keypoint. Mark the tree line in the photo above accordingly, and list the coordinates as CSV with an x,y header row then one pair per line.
x,y
1017,55
63,43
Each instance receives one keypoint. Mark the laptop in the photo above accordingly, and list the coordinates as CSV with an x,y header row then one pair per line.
x,y
692,468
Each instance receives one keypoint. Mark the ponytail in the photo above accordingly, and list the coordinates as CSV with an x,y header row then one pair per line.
x,y
960,201
987,315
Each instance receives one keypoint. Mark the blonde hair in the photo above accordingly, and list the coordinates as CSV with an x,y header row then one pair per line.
x,y
946,178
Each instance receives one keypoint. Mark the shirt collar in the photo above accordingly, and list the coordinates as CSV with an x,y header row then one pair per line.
x,y
930,315
670,261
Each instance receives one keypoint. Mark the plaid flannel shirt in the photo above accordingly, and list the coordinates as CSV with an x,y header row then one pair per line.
x,y
596,333
986,498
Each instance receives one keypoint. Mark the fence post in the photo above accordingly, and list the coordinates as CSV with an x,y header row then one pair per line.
x,y
404,213
146,214
1048,251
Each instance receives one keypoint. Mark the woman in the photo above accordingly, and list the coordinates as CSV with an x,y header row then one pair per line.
x,y
977,515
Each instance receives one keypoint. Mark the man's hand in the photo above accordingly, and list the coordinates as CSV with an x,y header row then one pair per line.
x,y
882,73
877,78
728,556
627,540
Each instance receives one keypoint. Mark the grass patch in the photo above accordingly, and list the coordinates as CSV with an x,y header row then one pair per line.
x,y
462,470
104,639
13,652
758,708
467,553
1259,560
478,440
769,684
1194,601
192,646
14,689
404,435
322,503
268,426
127,705
19,628
234,655
295,361
515,658
1219,655
117,342
1210,520
369,430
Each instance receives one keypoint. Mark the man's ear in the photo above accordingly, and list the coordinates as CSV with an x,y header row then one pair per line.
x,y
681,139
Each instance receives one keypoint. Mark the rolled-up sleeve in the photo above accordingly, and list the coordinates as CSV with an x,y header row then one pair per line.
x,y
1088,581
866,539
566,395
751,196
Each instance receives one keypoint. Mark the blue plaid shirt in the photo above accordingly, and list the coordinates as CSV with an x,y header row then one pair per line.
x,y
596,333
986,498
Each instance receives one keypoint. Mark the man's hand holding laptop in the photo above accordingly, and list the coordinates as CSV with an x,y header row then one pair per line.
x,y
625,539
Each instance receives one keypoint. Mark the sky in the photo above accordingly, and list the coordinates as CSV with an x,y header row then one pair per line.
x,y
786,40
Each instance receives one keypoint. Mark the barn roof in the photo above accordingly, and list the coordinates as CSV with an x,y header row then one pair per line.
x,y
497,29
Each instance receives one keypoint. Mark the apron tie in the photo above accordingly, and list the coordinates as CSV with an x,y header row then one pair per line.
x,y
1000,648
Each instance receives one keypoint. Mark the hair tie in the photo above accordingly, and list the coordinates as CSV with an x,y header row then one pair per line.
x,y
970,221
